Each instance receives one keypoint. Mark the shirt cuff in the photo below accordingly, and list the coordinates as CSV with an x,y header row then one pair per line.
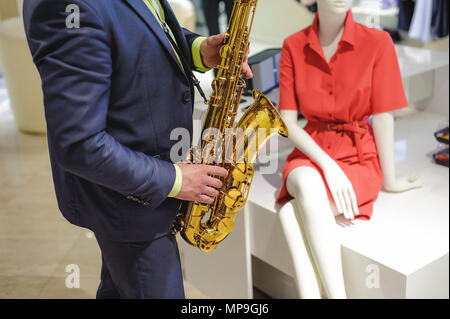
x,y
197,56
178,182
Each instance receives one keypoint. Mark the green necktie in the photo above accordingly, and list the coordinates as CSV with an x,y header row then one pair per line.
x,y
156,5
157,10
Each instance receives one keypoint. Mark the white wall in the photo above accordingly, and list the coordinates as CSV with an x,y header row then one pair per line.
x,y
277,19
19,6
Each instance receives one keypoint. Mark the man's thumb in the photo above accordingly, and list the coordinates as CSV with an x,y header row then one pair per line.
x,y
217,39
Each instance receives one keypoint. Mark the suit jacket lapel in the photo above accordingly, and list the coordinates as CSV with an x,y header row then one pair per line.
x,y
150,20
172,21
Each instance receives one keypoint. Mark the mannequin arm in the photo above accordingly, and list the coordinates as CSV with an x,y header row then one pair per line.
x,y
340,186
303,141
383,126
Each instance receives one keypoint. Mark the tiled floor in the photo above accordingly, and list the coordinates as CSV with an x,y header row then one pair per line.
x,y
36,243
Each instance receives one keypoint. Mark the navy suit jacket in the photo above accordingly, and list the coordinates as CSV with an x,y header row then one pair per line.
x,y
113,92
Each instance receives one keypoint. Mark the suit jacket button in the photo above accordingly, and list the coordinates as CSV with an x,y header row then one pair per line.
x,y
186,97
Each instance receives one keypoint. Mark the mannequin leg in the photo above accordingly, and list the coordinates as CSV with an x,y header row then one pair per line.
x,y
318,222
305,275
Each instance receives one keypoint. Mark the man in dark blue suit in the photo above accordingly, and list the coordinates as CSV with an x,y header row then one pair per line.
x,y
115,86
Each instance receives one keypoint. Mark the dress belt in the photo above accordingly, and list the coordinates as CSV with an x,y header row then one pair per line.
x,y
357,129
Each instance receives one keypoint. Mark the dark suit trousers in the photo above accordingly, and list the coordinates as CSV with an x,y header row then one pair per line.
x,y
143,270
211,10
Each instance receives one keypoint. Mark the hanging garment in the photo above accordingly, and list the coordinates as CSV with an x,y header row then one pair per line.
x,y
377,4
389,4
405,14
439,23
311,5
421,22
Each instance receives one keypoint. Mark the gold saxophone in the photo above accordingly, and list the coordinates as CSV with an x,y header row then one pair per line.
x,y
206,225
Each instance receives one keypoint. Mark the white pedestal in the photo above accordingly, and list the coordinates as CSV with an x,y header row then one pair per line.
x,y
225,272
402,251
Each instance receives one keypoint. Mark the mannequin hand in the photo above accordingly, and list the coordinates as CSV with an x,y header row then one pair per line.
x,y
210,52
403,184
341,189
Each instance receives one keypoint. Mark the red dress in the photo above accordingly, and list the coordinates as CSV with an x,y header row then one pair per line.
x,y
337,99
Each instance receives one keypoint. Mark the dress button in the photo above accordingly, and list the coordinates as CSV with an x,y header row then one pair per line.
x,y
331,92
186,97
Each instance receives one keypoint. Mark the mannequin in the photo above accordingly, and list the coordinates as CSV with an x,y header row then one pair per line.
x,y
308,220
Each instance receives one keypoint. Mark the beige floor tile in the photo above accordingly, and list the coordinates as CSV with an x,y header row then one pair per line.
x,y
86,254
193,293
56,288
21,287
32,256
39,224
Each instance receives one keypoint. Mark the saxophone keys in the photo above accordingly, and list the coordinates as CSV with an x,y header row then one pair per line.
x,y
242,172
231,198
225,226
225,51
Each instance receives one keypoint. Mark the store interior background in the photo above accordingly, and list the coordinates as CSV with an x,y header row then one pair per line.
x,y
36,243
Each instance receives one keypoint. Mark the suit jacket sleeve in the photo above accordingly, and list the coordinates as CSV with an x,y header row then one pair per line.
x,y
75,65
190,38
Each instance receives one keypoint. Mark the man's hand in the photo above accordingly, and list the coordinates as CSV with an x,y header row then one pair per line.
x,y
199,184
209,51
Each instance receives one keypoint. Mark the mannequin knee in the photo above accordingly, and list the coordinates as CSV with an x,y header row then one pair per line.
x,y
304,182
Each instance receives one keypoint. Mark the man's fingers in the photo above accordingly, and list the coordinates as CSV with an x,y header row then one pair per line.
x,y
247,71
216,170
214,182
210,192
205,199
217,39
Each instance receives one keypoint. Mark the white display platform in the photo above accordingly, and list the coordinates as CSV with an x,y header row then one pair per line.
x,y
405,245
407,239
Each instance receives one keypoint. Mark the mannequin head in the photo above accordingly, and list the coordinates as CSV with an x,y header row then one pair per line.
x,y
334,6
